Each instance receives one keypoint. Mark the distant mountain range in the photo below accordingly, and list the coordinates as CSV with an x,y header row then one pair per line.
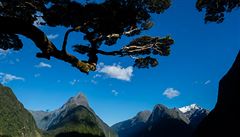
x,y
163,122
77,119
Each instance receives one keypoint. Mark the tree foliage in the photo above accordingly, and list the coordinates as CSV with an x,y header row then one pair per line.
x,y
101,24
10,41
215,9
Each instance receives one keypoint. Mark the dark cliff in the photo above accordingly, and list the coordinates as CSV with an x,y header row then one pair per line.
x,y
224,118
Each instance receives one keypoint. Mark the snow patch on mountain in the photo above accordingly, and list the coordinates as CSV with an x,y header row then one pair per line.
x,y
189,108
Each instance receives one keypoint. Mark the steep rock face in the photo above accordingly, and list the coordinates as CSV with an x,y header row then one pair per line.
x,y
142,116
129,127
197,117
78,119
45,119
224,119
15,120
161,112
167,123
55,117
195,114
162,121
74,116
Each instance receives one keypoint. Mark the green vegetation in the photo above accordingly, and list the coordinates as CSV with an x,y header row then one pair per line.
x,y
215,10
79,120
15,120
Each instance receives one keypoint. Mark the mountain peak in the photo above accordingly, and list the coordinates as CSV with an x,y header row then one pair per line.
x,y
160,107
80,95
142,116
194,105
79,99
189,108
143,113
159,112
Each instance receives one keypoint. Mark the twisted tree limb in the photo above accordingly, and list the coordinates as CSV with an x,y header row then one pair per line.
x,y
64,46
48,49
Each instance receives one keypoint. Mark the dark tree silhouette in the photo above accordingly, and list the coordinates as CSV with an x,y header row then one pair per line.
x,y
215,9
100,23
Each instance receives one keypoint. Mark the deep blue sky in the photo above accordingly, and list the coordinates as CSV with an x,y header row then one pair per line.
x,y
201,55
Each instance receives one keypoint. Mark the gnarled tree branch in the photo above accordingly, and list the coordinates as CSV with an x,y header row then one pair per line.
x,y
10,25
111,53
64,45
144,45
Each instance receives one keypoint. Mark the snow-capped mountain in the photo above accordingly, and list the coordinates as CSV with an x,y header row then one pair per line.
x,y
194,113
161,120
